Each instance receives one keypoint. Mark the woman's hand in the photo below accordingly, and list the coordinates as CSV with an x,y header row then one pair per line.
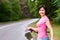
x,y
52,39
28,28
32,29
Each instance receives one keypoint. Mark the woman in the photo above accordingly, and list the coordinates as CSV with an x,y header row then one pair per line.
x,y
42,25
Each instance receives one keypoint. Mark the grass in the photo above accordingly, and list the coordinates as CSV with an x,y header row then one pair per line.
x,y
56,28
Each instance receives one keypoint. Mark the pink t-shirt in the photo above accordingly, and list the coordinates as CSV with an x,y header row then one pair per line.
x,y
42,28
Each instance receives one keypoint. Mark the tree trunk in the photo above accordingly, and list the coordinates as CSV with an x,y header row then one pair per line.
x,y
24,8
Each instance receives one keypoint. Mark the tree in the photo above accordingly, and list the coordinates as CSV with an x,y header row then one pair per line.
x,y
24,8
10,10
50,6
57,18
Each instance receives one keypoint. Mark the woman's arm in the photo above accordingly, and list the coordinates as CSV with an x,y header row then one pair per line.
x,y
51,29
34,29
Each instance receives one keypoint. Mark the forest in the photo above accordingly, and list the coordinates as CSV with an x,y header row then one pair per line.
x,y
14,10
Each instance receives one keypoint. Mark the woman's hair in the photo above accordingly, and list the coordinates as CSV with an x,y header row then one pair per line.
x,y
41,7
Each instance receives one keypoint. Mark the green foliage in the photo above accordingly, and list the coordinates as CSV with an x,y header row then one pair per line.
x,y
10,10
50,7
57,3
5,7
57,19
33,8
15,12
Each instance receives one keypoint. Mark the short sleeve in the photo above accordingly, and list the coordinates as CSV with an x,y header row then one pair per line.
x,y
46,19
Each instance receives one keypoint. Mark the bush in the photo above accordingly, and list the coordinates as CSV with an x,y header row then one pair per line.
x,y
10,10
57,19
5,8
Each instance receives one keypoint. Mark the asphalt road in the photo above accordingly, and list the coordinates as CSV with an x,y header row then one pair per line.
x,y
15,31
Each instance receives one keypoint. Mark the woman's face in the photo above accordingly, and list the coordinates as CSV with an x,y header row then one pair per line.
x,y
42,11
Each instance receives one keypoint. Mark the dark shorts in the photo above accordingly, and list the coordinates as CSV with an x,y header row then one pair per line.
x,y
47,38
